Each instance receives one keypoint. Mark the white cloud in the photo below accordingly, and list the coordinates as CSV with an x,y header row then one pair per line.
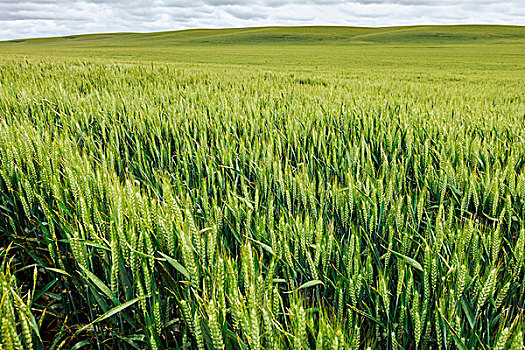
x,y
40,18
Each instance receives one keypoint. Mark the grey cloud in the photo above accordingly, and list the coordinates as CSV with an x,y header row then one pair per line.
x,y
246,13
182,4
227,2
37,18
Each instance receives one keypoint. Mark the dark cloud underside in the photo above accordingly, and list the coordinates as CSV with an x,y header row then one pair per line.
x,y
37,18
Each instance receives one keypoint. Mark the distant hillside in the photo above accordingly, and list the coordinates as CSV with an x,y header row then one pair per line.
x,y
306,48
460,34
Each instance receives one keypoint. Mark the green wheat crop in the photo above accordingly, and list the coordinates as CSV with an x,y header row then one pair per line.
x,y
149,206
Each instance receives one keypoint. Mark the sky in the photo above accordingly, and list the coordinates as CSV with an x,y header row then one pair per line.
x,y
43,18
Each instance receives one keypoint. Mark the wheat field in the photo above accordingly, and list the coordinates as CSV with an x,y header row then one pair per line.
x,y
158,205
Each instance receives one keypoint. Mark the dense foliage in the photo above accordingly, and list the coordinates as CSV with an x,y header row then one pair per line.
x,y
153,207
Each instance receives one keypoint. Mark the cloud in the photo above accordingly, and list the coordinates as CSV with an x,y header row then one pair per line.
x,y
227,2
39,18
247,13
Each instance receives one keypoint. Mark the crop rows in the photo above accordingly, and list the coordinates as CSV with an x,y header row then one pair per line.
x,y
142,206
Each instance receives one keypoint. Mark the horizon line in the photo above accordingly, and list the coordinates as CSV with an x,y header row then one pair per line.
x,y
262,27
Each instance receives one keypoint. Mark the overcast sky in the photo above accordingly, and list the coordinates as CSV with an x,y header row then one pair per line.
x,y
40,18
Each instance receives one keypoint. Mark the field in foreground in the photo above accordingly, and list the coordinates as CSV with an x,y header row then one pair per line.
x,y
340,188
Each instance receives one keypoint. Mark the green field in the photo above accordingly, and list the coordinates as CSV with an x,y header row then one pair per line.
x,y
264,188
299,48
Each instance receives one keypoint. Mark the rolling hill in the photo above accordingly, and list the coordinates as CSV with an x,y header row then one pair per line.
x,y
306,47
459,34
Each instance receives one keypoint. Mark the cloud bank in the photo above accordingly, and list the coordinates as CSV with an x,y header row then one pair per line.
x,y
41,18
